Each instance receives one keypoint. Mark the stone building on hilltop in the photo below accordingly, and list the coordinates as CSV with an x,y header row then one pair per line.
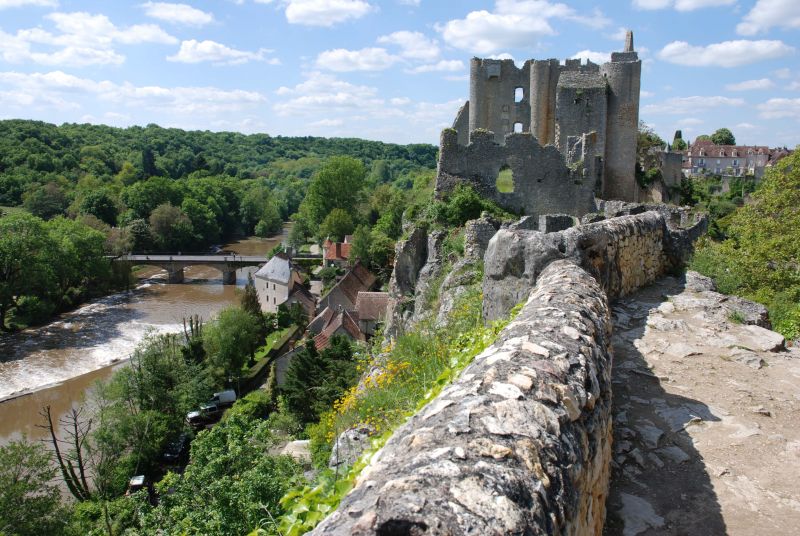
x,y
567,132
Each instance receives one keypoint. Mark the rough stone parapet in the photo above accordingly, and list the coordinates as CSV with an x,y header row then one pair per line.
x,y
477,234
623,254
552,223
519,444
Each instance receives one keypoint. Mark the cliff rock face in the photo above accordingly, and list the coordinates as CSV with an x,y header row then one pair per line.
x,y
519,444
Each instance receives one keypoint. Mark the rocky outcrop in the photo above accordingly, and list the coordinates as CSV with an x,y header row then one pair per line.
x,y
410,256
519,444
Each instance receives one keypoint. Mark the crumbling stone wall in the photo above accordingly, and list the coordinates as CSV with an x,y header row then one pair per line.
x,y
543,182
622,253
519,444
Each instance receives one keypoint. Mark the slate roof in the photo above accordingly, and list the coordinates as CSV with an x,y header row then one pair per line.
x,y
372,305
278,269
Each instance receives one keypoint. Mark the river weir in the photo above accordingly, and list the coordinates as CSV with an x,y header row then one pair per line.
x,y
56,363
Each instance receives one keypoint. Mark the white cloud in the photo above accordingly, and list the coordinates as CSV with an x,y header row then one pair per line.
x,y
690,105
82,39
593,56
780,108
767,14
619,34
440,66
745,126
793,86
53,88
691,121
326,93
725,54
5,4
748,85
366,59
327,123
783,73
414,3
193,51
323,12
512,24
413,45
400,101
177,13
680,5
646,94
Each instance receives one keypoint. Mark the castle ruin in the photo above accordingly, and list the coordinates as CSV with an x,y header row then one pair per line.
x,y
567,132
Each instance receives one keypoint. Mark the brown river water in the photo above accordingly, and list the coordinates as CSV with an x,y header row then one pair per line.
x,y
57,363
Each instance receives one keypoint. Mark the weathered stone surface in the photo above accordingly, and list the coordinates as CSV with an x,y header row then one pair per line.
x,y
532,452
349,446
410,256
552,223
623,253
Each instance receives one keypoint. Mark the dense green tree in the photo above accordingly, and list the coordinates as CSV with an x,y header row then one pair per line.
x,y
171,228
250,304
46,201
337,184
336,225
679,145
100,204
229,485
204,223
723,136
231,341
26,260
143,197
141,236
314,380
30,502
362,242
80,253
702,137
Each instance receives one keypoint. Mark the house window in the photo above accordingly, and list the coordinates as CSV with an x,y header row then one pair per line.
x,y
273,300
702,161
717,161
273,285
735,163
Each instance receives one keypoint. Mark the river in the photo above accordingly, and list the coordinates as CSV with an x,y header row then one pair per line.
x,y
56,363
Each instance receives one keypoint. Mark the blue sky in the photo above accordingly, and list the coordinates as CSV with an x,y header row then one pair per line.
x,y
390,70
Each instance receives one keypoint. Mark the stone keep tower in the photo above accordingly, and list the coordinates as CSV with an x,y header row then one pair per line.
x,y
558,103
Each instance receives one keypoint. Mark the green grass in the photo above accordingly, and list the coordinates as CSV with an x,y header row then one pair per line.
x,y
264,350
11,210
505,181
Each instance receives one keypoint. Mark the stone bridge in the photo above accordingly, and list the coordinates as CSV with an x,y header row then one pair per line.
x,y
174,264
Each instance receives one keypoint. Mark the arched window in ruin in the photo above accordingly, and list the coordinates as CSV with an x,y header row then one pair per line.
x,y
505,180
519,94
517,127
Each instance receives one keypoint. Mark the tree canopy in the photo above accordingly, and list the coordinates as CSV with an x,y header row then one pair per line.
x,y
723,136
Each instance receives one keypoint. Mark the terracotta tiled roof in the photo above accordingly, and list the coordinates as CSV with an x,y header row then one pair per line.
x,y
337,251
372,305
341,321
358,279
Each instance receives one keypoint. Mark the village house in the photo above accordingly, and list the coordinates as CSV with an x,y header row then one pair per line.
x,y
336,253
279,282
344,293
371,311
703,157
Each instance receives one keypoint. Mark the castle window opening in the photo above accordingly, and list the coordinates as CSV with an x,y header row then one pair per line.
x,y
519,94
517,127
505,180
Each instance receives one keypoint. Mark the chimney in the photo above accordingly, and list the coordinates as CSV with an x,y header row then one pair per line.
x,y
628,41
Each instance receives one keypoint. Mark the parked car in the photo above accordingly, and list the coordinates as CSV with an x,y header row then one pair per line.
x,y
207,413
224,398
177,450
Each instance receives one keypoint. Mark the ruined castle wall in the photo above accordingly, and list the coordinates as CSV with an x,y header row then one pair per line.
x,y
543,184
581,101
493,84
461,124
543,83
520,443
623,74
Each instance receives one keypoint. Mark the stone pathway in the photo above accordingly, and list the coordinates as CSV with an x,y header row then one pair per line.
x,y
707,439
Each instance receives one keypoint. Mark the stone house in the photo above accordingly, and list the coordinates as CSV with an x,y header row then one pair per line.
x,y
280,282
344,293
336,253
703,157
371,311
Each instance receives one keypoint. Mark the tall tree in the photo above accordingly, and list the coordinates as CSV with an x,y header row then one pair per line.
x,y
337,184
30,502
723,136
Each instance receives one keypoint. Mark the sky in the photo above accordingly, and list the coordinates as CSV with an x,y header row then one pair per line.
x,y
389,70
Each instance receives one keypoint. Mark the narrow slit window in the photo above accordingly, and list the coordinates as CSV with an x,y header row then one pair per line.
x,y
519,94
